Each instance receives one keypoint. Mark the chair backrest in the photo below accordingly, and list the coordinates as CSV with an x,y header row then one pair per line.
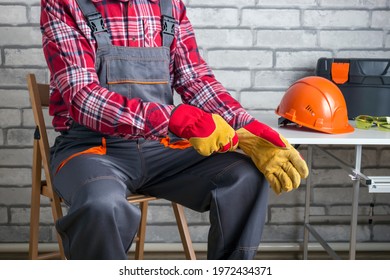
x,y
39,97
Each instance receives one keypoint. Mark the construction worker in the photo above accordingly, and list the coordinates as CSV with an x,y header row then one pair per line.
x,y
114,65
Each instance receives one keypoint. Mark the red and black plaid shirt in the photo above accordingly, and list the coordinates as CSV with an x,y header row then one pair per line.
x,y
76,94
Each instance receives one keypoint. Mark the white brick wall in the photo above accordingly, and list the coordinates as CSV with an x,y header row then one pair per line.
x,y
286,39
24,57
13,15
248,59
256,48
20,35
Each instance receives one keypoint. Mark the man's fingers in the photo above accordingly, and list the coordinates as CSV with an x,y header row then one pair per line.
x,y
299,164
293,174
274,183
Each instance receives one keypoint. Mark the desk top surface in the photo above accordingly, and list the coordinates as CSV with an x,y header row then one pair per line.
x,y
303,135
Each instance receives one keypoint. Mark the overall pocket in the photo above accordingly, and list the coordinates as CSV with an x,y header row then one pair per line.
x,y
144,75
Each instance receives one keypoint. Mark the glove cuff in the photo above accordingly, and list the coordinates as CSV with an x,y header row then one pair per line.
x,y
187,121
265,132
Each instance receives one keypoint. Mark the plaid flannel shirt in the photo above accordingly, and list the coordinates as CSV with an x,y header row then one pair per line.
x,y
70,49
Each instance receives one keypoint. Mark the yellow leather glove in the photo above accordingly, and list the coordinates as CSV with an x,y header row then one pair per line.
x,y
281,163
207,133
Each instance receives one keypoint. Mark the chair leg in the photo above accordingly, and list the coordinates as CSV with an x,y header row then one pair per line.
x,y
34,224
36,188
183,230
35,203
140,243
57,213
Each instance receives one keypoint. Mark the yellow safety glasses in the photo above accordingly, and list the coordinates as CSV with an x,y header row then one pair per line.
x,y
366,122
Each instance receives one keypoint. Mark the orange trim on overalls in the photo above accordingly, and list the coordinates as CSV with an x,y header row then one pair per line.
x,y
181,145
136,82
100,150
340,71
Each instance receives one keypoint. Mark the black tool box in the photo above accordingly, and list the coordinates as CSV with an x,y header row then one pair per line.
x,y
365,83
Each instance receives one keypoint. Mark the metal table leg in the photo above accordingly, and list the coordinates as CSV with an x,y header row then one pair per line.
x,y
307,203
355,203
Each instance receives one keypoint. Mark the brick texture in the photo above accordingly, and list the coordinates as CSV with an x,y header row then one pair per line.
x,y
256,48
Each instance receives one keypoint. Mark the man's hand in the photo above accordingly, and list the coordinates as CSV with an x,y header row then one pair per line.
x,y
280,162
207,133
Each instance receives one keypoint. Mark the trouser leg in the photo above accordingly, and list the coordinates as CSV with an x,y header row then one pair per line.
x,y
237,213
100,223
234,191
228,185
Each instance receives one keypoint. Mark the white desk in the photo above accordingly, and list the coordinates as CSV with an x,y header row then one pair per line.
x,y
356,139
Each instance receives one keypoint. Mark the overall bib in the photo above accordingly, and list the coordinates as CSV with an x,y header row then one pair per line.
x,y
94,173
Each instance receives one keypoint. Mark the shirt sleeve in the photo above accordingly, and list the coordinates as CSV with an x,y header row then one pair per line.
x,y
195,81
70,56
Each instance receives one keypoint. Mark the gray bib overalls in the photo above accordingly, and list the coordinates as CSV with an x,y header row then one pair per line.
x,y
100,223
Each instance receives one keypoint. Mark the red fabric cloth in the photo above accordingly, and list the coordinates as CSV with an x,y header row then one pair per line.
x,y
76,94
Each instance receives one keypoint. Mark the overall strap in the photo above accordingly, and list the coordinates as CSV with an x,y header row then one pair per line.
x,y
95,22
100,32
167,22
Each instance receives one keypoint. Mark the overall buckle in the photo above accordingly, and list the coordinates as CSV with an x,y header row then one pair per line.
x,y
168,25
96,23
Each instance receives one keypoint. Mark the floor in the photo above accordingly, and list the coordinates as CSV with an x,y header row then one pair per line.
x,y
260,256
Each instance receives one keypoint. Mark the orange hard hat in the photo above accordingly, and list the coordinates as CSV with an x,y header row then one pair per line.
x,y
316,103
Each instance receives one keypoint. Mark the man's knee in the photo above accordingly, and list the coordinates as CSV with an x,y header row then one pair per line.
x,y
105,199
248,176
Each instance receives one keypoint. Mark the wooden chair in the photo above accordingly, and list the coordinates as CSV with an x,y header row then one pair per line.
x,y
39,97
